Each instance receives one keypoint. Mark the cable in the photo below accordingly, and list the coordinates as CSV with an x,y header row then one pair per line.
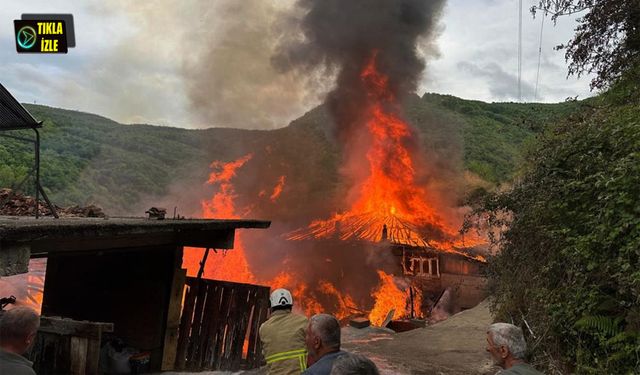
x,y
520,51
535,97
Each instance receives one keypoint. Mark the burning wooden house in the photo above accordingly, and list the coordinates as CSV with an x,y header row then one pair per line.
x,y
395,202
128,272
433,267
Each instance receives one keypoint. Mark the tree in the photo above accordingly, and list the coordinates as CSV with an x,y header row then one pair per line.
x,y
567,270
607,40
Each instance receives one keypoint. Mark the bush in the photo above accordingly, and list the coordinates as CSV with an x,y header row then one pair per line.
x,y
569,234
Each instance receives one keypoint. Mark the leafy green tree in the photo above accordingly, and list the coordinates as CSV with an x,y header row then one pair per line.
x,y
607,40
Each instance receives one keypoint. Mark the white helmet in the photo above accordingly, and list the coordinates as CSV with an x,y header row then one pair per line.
x,y
281,297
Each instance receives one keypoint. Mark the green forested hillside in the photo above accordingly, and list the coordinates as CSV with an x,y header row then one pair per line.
x,y
87,158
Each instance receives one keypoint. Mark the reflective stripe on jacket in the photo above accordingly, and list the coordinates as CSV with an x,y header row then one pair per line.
x,y
300,355
283,344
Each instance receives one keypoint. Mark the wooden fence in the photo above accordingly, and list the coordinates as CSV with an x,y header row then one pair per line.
x,y
219,325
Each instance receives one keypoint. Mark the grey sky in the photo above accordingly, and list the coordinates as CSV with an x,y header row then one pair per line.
x,y
153,61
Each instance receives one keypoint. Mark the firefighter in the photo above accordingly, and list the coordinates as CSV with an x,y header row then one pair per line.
x,y
282,337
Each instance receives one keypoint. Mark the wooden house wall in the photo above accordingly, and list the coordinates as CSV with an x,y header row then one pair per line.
x,y
458,265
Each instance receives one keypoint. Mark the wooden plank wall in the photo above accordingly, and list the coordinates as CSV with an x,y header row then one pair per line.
x,y
219,325
65,346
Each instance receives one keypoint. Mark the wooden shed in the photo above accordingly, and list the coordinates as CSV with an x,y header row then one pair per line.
x,y
124,271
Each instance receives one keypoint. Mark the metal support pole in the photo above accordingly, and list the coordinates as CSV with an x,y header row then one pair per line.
x,y
39,189
37,166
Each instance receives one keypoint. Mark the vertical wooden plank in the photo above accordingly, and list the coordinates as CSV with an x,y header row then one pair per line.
x,y
93,356
254,330
244,307
237,316
253,315
201,340
218,353
264,306
193,350
78,351
232,326
173,320
185,324
37,352
212,313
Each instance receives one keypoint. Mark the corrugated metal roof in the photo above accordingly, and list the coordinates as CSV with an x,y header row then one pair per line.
x,y
12,114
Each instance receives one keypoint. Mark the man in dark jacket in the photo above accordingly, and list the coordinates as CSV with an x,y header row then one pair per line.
x,y
18,329
322,339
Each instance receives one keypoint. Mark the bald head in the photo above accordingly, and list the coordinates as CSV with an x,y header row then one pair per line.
x,y
18,328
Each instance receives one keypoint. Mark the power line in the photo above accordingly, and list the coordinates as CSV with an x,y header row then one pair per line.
x,y
539,55
520,51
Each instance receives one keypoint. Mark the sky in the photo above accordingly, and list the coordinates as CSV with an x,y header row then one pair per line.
x,y
206,63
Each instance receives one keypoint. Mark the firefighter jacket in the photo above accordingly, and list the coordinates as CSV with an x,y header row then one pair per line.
x,y
283,344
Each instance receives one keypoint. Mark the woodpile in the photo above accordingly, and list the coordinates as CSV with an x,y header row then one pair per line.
x,y
17,204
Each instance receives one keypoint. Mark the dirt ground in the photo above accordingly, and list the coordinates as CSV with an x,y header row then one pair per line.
x,y
451,347
454,346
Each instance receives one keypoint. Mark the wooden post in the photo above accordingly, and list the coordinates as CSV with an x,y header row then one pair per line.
x,y
174,309
411,296
202,263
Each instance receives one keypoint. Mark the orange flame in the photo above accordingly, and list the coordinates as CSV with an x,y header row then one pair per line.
x,y
390,196
387,296
345,304
231,266
304,300
277,190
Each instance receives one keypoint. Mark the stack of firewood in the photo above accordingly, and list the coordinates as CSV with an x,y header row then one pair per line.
x,y
17,204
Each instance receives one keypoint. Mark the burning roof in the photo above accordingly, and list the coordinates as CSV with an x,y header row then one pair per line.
x,y
363,227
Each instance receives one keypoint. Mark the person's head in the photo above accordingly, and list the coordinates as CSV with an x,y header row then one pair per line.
x,y
281,299
506,344
18,329
353,364
322,335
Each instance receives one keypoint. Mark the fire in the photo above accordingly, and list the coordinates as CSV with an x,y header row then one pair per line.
x,y
390,204
345,304
277,190
306,299
231,266
390,196
388,296
302,302
28,288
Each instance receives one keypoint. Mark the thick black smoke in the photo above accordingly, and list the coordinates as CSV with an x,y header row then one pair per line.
x,y
344,34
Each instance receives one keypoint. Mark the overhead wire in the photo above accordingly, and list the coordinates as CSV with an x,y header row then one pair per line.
x,y
539,55
520,51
